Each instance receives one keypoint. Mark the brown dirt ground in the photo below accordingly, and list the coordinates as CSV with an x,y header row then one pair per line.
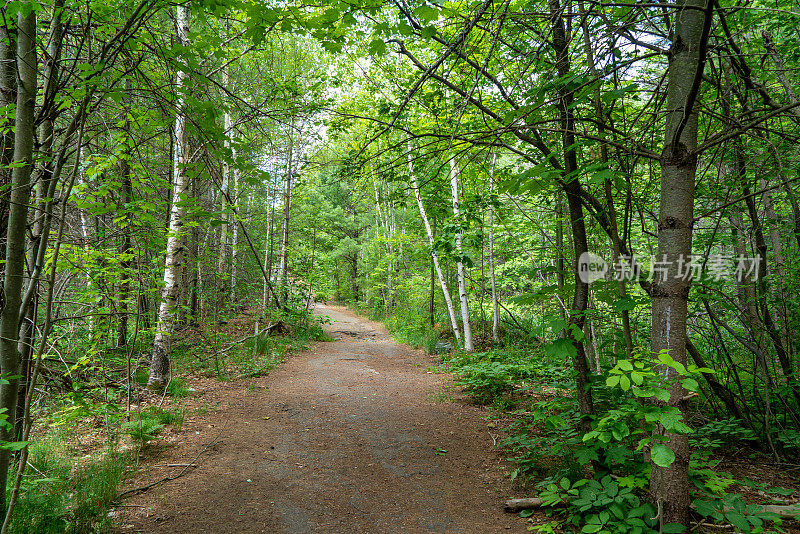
x,y
348,436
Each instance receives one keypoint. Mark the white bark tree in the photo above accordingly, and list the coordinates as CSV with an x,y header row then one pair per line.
x,y
222,264
492,278
173,263
462,286
287,207
451,312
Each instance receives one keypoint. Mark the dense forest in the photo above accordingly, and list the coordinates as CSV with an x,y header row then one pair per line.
x,y
588,209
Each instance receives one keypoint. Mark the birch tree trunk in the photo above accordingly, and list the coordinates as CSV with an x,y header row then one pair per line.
x,y
85,234
235,231
268,247
451,312
462,286
26,63
669,486
222,264
173,263
492,278
287,207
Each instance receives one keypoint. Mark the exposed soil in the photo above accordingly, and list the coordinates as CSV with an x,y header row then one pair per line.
x,y
352,436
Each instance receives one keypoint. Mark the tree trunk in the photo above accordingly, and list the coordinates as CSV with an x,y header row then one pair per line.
x,y
126,248
8,98
235,230
572,188
462,286
26,63
492,278
354,277
173,263
669,486
222,264
287,207
451,312
268,247
85,234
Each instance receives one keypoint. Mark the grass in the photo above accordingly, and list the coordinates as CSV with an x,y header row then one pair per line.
x,y
67,489
143,427
64,491
177,388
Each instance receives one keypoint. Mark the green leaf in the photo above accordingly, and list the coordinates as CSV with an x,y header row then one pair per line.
x,y
13,445
662,455
589,529
625,382
661,394
561,348
526,513
624,304
691,384
738,520
673,528
377,47
427,13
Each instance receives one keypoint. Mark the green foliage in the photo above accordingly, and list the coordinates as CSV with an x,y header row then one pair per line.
x,y
145,426
490,376
546,438
602,506
65,492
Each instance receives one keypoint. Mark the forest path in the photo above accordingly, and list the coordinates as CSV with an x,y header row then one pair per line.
x,y
346,437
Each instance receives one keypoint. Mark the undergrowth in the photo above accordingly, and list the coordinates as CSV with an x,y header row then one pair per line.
x,y
597,481
68,492
90,442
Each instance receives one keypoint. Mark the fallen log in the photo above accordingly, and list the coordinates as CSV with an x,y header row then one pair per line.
x,y
517,505
785,511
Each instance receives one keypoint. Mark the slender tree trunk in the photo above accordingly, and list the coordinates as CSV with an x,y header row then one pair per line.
x,y
85,236
41,216
607,186
492,278
268,247
287,207
173,263
560,263
462,286
451,312
235,231
26,63
8,98
669,486
222,264
432,301
126,248
571,186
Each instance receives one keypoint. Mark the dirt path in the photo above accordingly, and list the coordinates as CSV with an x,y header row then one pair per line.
x,y
347,437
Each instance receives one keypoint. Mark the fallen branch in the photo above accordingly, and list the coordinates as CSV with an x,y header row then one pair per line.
x,y
517,505
142,489
785,511
229,346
